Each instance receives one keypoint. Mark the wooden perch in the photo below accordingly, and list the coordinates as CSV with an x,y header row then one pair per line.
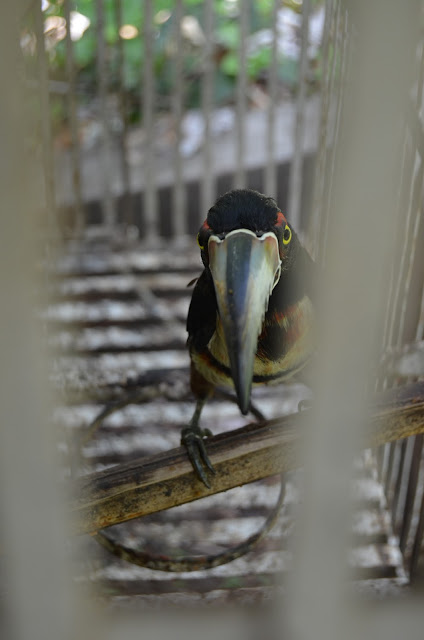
x,y
253,452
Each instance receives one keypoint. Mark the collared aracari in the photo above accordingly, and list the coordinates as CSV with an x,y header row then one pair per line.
x,y
251,317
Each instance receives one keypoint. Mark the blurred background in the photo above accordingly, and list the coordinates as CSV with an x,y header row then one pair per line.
x,y
153,105
138,115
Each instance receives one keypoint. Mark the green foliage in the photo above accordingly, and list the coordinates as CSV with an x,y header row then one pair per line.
x,y
228,34
226,37
230,65
259,62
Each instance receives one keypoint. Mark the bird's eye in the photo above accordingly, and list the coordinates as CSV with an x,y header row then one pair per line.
x,y
287,234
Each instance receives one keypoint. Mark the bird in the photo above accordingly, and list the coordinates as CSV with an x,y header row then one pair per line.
x,y
251,317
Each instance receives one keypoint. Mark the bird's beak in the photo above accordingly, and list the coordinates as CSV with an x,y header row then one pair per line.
x,y
245,268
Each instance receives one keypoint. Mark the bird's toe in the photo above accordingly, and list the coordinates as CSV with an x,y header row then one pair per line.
x,y
192,438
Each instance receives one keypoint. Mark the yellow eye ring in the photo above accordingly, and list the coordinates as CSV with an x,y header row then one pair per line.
x,y
198,242
287,236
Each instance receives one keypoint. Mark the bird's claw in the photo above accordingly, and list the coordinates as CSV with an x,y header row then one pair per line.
x,y
192,438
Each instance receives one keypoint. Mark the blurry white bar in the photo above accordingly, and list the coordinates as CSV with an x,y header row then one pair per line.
x,y
105,157
270,168
38,598
241,97
73,123
178,217
208,180
361,240
47,149
150,214
296,169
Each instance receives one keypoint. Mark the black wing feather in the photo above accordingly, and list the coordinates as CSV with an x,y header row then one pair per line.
x,y
201,319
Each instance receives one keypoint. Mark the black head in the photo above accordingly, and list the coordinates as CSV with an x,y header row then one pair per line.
x,y
243,209
247,209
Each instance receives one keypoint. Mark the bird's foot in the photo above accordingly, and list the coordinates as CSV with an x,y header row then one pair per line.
x,y
192,438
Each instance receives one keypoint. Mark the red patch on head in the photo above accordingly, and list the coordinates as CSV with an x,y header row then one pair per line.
x,y
281,219
203,235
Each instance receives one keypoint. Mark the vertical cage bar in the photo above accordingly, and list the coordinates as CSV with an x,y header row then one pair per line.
x,y
340,65
410,166
420,87
417,194
409,192
335,98
46,132
398,482
128,213
208,179
364,163
108,208
410,492
73,123
420,326
406,167
178,218
416,208
394,292
40,601
416,548
403,485
316,217
240,172
150,220
270,168
296,169
379,456
389,469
